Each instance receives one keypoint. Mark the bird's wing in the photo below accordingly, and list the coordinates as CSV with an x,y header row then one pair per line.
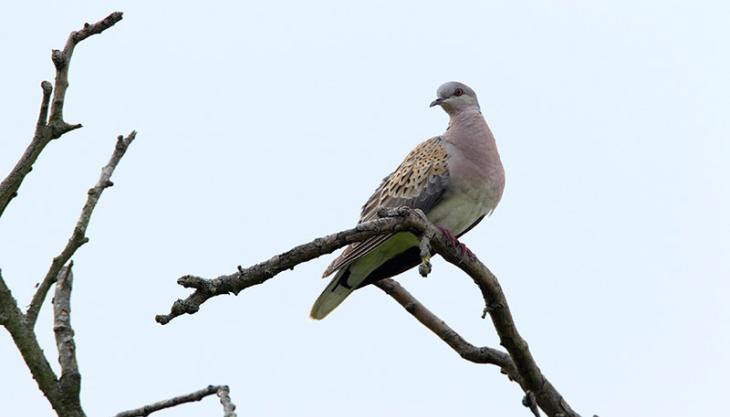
x,y
418,182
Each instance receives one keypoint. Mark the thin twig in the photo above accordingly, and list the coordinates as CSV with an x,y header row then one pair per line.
x,y
45,102
49,128
78,236
172,402
401,219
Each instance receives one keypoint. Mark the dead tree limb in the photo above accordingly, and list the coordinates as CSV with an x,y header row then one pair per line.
x,y
262,272
78,236
465,349
62,392
220,390
25,340
53,126
403,219
70,380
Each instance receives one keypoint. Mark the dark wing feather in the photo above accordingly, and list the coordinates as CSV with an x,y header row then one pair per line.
x,y
418,182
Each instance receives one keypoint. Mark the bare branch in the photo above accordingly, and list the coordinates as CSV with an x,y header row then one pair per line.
x,y
43,114
465,349
401,219
51,128
78,237
547,397
229,409
41,137
27,344
260,273
172,402
62,61
532,379
63,393
70,381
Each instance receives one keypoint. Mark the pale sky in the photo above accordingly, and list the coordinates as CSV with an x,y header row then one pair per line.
x,y
266,124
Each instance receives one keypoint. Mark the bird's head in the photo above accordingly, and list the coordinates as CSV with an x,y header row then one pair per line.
x,y
454,97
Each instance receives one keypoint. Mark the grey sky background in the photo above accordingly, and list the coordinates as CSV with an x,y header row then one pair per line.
x,y
265,124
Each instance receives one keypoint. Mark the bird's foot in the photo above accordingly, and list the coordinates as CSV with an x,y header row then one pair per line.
x,y
454,242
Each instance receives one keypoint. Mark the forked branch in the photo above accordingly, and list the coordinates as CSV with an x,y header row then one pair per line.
x,y
521,367
53,126
63,392
465,349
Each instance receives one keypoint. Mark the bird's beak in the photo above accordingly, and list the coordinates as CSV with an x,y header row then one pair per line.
x,y
436,102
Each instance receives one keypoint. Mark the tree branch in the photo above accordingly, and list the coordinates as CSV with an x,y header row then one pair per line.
x,y
535,383
78,236
45,102
402,219
62,61
51,128
262,272
70,381
465,349
27,343
146,410
63,394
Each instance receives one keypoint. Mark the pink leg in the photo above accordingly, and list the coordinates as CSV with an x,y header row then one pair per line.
x,y
454,242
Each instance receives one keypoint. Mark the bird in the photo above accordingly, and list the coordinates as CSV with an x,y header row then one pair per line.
x,y
456,179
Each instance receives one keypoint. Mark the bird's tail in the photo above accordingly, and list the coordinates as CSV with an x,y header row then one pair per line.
x,y
341,286
360,270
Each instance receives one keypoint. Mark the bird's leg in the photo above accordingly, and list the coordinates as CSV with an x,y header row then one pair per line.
x,y
454,242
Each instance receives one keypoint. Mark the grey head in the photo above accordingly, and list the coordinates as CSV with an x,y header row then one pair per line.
x,y
454,97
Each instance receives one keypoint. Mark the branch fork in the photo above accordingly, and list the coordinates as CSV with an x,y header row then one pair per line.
x,y
517,363
62,392
53,126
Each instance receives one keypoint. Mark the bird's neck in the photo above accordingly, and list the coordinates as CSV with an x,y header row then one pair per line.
x,y
469,133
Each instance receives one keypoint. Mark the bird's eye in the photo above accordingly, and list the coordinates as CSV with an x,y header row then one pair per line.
x,y
458,92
